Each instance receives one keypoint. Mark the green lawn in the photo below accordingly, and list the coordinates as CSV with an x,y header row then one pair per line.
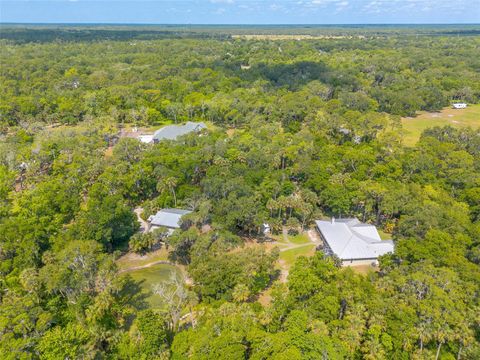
x,y
150,276
278,237
457,118
299,239
294,239
289,256
384,235
130,260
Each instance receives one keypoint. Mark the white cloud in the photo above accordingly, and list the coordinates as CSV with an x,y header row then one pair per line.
x,y
219,11
322,3
222,1
411,6
407,6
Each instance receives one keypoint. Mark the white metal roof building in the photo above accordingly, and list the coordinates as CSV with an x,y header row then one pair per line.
x,y
171,132
169,218
352,241
146,138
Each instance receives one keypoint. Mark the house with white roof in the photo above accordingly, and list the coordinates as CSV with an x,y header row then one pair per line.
x,y
172,132
169,218
353,242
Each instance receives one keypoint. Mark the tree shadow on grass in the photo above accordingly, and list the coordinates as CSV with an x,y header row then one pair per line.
x,y
133,295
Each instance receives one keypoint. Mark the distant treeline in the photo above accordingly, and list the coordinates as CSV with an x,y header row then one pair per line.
x,y
24,33
43,35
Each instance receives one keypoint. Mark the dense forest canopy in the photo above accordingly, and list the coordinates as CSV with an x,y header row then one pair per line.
x,y
74,32
142,80
297,130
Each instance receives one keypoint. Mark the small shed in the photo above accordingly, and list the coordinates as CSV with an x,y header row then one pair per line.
x,y
265,228
146,138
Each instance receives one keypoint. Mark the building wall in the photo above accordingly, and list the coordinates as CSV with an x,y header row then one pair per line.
x,y
355,262
326,248
170,230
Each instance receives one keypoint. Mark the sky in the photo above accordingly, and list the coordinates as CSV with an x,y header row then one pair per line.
x,y
241,11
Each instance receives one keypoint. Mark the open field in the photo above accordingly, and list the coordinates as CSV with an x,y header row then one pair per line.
x,y
457,118
149,270
289,37
132,260
299,239
150,276
290,255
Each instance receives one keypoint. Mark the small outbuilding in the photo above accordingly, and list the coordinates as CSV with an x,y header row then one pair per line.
x,y
353,242
169,218
265,228
146,138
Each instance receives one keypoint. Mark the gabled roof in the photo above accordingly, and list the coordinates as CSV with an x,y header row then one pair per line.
x,y
168,217
351,239
171,132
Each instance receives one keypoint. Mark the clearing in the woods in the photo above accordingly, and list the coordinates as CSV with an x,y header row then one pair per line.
x,y
149,269
151,276
457,118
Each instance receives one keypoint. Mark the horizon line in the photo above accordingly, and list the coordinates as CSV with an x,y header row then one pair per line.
x,y
226,24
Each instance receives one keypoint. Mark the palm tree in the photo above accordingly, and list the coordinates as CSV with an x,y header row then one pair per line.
x,y
272,205
168,183
241,293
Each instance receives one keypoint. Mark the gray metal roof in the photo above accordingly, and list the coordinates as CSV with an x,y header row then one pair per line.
x,y
351,239
171,132
168,217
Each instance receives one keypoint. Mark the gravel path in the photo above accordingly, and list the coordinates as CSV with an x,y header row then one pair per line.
x,y
288,245
314,237
139,267
143,224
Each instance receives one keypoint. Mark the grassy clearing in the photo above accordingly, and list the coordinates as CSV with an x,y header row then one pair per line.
x,y
384,235
292,239
150,276
131,260
457,118
278,238
289,256
299,239
287,37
